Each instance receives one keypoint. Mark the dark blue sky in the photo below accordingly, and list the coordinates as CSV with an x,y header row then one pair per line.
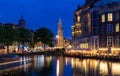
x,y
40,13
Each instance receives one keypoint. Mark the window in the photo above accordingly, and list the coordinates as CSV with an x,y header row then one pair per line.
x,y
117,41
102,29
103,42
117,27
78,18
109,28
103,18
96,30
84,45
96,44
110,38
110,17
117,15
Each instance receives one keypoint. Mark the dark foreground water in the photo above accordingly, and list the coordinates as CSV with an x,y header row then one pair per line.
x,y
41,65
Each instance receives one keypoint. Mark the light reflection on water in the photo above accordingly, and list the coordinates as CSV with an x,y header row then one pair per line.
x,y
91,67
41,65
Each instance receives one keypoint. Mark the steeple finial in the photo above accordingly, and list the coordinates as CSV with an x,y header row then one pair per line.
x,y
60,20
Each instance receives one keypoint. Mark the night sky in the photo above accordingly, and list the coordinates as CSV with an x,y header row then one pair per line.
x,y
40,13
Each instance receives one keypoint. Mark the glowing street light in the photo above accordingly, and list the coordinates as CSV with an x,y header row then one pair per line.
x,y
56,36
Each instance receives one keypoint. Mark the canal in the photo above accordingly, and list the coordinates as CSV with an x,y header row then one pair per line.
x,y
40,65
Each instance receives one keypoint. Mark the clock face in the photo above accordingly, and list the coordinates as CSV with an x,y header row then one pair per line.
x,y
78,18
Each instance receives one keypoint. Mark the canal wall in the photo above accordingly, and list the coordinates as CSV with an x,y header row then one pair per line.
x,y
94,56
56,52
61,52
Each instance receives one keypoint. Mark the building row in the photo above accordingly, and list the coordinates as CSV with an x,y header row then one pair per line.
x,y
21,23
15,47
97,26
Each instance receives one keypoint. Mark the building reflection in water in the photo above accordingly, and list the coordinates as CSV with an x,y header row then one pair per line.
x,y
14,67
60,66
91,67
39,61
27,65
42,62
41,65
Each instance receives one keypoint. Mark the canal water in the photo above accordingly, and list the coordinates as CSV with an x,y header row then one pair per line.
x,y
41,65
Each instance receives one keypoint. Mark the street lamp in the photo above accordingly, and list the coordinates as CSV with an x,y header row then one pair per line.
x,y
56,36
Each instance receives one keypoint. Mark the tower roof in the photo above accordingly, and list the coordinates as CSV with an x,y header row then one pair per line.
x,y
22,22
60,20
21,18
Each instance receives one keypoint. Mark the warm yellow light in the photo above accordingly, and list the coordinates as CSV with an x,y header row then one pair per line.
x,y
72,63
115,67
115,49
77,25
117,27
103,68
107,48
110,17
78,18
103,48
84,45
77,32
69,46
103,18
57,71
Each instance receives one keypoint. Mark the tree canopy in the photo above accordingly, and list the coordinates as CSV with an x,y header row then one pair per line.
x,y
9,35
24,35
44,35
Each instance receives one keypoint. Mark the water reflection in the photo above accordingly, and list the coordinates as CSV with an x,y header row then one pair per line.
x,y
27,66
60,66
41,65
91,67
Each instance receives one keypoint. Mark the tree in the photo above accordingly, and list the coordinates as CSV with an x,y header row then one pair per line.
x,y
44,35
25,36
9,35
1,37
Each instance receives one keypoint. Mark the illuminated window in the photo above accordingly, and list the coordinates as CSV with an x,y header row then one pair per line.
x,y
78,18
103,18
117,27
109,28
110,17
84,45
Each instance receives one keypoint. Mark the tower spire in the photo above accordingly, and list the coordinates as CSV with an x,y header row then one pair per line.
x,y
60,20
60,43
60,24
